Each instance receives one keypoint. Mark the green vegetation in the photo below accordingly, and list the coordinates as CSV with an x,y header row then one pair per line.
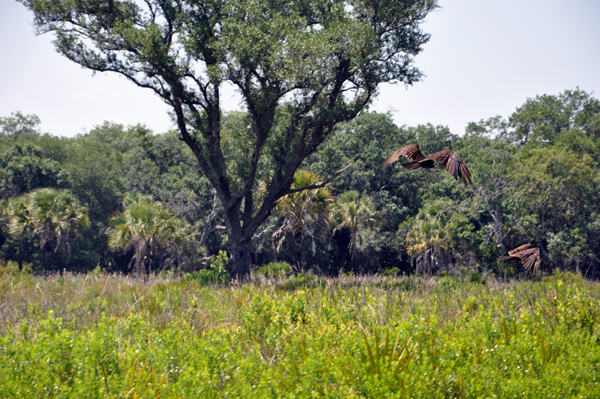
x,y
52,215
274,270
536,180
301,68
304,212
421,307
103,335
354,212
149,228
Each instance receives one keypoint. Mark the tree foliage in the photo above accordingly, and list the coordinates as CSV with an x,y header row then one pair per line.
x,y
300,67
356,213
304,212
54,216
541,191
24,168
150,229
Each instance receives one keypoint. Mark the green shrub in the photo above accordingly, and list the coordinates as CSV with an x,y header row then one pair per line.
x,y
12,268
217,274
391,272
275,270
475,277
448,283
204,277
565,276
219,264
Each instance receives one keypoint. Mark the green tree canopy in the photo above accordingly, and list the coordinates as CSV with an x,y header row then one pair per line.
x,y
571,119
428,240
301,68
23,168
18,125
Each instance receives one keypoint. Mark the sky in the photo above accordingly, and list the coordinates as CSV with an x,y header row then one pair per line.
x,y
485,58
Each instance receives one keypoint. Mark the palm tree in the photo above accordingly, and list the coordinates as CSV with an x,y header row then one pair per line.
x,y
305,212
16,216
147,227
354,212
428,240
70,220
55,215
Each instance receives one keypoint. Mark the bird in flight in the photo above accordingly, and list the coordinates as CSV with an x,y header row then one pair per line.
x,y
449,159
527,255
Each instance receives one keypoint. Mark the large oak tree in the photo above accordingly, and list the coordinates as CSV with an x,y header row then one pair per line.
x,y
301,67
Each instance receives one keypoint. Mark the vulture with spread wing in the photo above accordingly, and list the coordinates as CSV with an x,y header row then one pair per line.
x,y
527,255
449,159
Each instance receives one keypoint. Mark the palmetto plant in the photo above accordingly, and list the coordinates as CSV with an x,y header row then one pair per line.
x,y
53,215
149,228
56,215
355,212
304,212
428,240
18,222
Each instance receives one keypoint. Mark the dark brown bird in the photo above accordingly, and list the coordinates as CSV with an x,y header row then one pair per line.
x,y
527,255
449,159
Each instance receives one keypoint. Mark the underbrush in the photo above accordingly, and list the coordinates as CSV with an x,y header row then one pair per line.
x,y
100,335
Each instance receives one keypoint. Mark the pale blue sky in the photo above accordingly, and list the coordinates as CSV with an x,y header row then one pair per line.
x,y
485,58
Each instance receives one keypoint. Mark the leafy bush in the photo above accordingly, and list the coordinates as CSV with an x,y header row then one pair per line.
x,y
448,283
205,277
565,276
217,274
476,277
12,268
391,272
275,270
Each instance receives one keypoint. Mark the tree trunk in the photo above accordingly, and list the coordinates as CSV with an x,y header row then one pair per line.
x,y
340,243
137,264
430,260
60,262
48,257
498,225
298,239
21,245
353,266
353,251
239,260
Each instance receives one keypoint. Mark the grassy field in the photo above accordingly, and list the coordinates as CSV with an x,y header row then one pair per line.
x,y
100,336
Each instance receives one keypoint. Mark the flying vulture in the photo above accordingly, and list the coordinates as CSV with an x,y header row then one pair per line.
x,y
449,159
527,255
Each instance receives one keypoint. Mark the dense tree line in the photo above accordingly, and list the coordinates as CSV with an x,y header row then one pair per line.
x,y
535,179
301,68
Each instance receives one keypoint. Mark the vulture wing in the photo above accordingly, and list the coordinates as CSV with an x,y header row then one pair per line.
x,y
515,251
411,165
530,257
411,151
453,163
